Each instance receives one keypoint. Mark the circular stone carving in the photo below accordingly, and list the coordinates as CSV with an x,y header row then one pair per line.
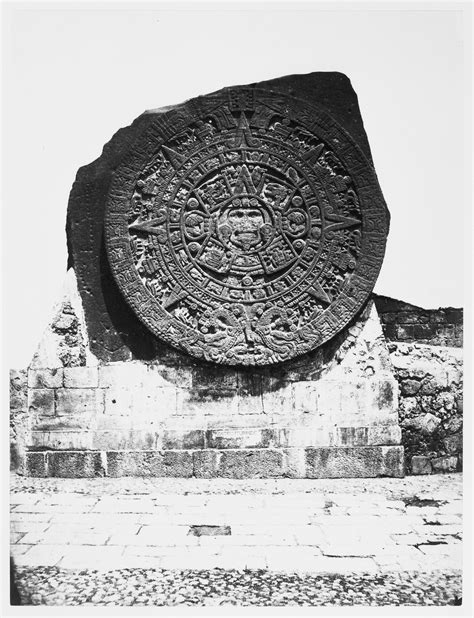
x,y
245,227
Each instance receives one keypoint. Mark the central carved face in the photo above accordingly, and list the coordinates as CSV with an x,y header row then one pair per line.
x,y
245,224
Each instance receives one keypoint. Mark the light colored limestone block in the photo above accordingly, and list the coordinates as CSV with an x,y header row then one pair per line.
x,y
79,401
81,377
45,378
41,401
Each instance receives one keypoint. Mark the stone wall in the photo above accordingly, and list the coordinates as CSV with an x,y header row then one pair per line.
x,y
19,419
327,414
404,322
426,351
431,405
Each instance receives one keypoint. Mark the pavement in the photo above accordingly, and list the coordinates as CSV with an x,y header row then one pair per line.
x,y
306,528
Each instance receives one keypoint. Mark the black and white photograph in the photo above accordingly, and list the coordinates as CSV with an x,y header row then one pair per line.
x,y
236,283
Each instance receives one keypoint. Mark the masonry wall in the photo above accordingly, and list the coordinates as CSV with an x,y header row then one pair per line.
x,y
426,351
199,419
67,400
409,323
430,405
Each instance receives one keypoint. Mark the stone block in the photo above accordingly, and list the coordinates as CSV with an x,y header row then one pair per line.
x,y
167,376
105,422
130,375
150,463
206,463
65,440
127,439
249,384
215,380
420,465
210,531
305,396
352,436
119,401
200,404
384,435
453,444
18,379
45,378
255,463
353,462
454,375
81,377
410,387
353,398
68,422
18,402
423,331
75,464
329,400
453,424
426,423
304,436
79,401
35,464
249,393
249,404
405,332
383,397
278,401
444,464
429,386
294,462
175,439
41,401
240,438
157,403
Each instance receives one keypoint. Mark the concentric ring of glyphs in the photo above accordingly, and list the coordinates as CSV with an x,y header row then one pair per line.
x,y
246,227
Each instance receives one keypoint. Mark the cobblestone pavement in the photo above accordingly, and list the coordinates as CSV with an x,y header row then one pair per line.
x,y
370,532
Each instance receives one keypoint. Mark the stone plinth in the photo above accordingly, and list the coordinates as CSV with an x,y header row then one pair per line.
x,y
329,415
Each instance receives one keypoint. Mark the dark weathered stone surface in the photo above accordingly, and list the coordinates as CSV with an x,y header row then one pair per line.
x,y
445,464
369,461
430,408
150,463
421,465
251,463
35,464
241,438
312,462
115,332
209,530
184,440
74,464
405,322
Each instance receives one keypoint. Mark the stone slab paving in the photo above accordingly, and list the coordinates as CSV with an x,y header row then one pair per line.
x,y
350,527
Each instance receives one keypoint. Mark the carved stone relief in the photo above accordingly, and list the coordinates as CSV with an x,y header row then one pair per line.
x,y
246,227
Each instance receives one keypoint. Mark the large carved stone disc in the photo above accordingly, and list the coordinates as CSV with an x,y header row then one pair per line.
x,y
246,227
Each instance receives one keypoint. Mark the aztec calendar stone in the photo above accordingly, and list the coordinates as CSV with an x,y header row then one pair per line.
x,y
246,227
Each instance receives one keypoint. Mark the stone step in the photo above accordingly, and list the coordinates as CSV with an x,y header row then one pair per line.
x,y
297,462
